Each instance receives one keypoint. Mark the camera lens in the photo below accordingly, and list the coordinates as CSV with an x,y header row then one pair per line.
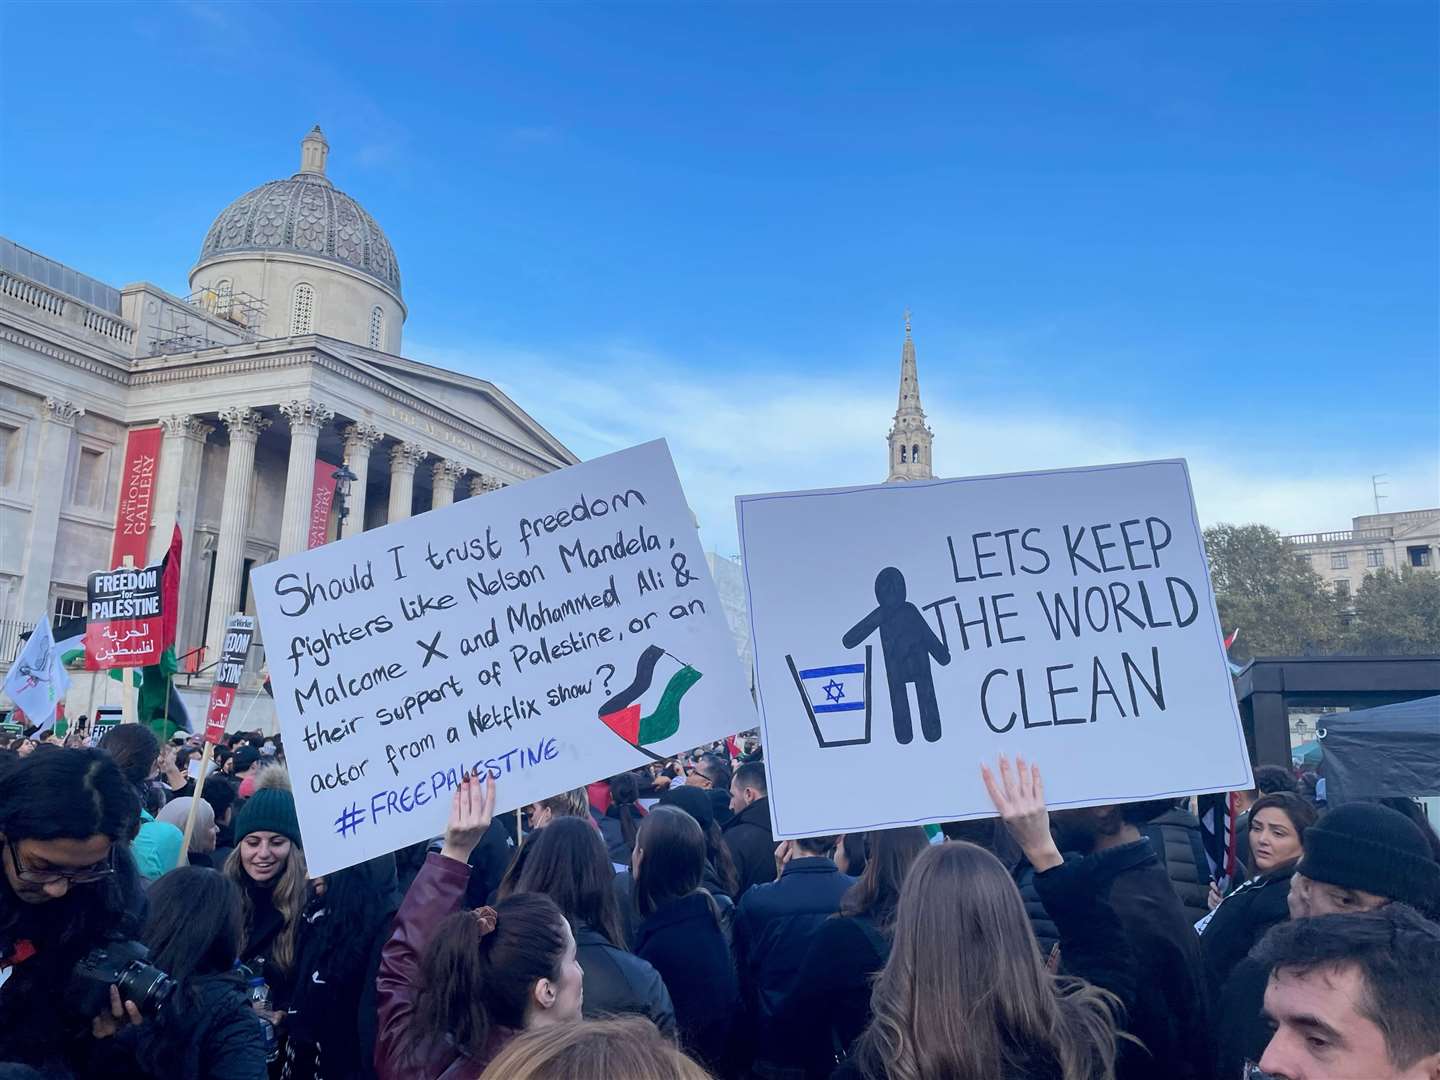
x,y
146,985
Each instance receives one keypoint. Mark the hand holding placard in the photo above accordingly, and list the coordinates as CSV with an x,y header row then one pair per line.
x,y
1020,801
471,810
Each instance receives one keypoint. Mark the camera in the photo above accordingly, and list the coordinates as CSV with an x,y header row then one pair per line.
x,y
124,965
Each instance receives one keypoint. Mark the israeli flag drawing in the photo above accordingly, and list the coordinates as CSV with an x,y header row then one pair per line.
x,y
837,700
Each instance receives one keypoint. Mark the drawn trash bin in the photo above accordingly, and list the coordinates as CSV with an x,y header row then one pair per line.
x,y
837,701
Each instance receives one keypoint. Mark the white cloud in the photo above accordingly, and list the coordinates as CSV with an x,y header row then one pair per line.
x,y
739,432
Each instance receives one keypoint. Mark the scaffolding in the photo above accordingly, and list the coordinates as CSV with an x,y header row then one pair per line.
x,y
243,312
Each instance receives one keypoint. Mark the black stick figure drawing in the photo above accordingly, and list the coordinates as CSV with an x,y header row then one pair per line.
x,y
908,644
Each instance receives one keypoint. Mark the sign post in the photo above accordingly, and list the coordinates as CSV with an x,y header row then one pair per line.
x,y
904,633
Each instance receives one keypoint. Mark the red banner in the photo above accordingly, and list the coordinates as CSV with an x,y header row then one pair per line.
x,y
320,503
137,493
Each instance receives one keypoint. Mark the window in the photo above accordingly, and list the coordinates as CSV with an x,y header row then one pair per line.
x,y
902,453
89,478
1419,556
1303,560
302,310
224,290
69,607
377,327
9,454
1374,557
915,453
1339,561
1342,587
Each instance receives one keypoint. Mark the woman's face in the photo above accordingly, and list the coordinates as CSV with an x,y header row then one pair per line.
x,y
263,856
559,1000
1273,839
540,816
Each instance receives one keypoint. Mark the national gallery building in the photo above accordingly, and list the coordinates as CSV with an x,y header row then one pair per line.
x,y
230,411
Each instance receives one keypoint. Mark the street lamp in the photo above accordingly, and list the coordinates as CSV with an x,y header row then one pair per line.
x,y
343,478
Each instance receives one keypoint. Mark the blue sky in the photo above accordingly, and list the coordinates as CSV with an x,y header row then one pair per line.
x,y
1126,230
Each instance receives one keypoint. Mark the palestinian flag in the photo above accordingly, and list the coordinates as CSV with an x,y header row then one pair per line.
x,y
640,714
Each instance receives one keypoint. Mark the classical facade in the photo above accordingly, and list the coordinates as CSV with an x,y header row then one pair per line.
x,y
910,437
1373,542
284,360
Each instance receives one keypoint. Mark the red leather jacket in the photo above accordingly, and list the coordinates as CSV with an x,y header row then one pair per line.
x,y
436,893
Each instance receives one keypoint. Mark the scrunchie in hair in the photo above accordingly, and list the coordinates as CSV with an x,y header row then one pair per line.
x,y
486,917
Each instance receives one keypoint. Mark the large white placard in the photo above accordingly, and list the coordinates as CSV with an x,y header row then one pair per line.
x,y
555,632
905,633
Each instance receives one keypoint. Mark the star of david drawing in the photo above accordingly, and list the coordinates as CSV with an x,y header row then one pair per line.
x,y
834,691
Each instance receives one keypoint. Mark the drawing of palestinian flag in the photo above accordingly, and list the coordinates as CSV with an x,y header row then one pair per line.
x,y
641,714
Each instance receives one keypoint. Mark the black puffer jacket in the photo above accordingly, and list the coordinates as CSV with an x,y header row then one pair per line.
x,y
752,846
1176,837
618,982
208,1033
1241,920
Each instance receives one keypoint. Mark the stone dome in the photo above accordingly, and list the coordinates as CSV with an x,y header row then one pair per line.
x,y
305,215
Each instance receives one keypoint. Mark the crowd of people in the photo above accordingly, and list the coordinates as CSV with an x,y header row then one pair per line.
x,y
648,927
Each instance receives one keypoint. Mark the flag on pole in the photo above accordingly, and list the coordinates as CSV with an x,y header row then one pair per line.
x,y
37,680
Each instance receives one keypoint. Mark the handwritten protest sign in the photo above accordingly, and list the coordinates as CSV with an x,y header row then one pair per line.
x,y
555,632
125,628
239,632
904,633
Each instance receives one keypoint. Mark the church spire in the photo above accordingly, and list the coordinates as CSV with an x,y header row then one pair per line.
x,y
910,437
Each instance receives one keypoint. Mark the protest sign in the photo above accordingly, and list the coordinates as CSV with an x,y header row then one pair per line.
x,y
239,632
904,633
125,627
553,633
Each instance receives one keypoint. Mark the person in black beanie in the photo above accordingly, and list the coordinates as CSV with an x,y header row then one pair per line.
x,y
1358,857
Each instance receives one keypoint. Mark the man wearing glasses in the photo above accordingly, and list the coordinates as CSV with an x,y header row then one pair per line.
x,y
711,773
68,886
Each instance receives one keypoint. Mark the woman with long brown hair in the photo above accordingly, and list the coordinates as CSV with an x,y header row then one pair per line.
x,y
268,864
965,993
830,1004
455,987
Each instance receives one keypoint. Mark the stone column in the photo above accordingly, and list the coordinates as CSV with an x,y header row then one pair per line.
x,y
245,427
306,419
177,489
443,475
403,459
480,484
177,494
359,438
52,462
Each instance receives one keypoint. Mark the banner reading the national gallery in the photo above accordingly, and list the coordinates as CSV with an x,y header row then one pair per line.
x,y
137,496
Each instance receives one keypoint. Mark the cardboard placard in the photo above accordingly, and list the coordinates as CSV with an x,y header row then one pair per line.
x,y
905,633
125,627
553,633
239,633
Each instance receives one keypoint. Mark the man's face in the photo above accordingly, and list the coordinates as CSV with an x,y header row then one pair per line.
x,y
1074,829
1308,898
1322,1032
740,797
42,870
695,778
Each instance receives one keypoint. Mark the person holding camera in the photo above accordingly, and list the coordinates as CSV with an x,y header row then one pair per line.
x,y
198,1021
69,888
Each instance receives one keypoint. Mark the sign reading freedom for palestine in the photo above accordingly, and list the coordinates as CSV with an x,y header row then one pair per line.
x,y
556,632
124,627
905,633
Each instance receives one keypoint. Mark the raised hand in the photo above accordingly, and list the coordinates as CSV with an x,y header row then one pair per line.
x,y
471,809
1019,797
